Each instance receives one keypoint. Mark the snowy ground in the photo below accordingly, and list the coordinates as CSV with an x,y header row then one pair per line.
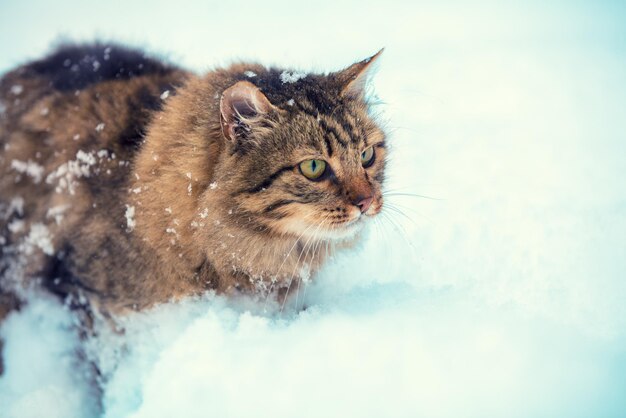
x,y
505,298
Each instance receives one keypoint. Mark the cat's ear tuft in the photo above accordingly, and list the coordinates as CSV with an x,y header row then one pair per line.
x,y
354,78
240,106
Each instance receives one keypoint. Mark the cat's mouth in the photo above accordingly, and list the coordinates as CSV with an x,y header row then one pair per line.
x,y
349,227
331,227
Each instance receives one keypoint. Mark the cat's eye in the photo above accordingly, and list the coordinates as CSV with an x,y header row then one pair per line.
x,y
367,157
313,169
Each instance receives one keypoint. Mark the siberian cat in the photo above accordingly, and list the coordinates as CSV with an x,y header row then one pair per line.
x,y
127,181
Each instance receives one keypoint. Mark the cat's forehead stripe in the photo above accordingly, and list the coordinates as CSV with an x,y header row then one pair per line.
x,y
329,148
328,126
358,128
333,116
347,123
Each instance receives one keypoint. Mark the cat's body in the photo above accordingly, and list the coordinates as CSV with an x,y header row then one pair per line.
x,y
127,182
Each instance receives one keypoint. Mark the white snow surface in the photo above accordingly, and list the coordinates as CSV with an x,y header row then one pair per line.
x,y
503,298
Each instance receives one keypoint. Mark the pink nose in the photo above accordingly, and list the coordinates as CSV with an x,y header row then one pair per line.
x,y
364,204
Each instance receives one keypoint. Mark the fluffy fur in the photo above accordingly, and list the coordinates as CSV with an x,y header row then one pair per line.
x,y
127,181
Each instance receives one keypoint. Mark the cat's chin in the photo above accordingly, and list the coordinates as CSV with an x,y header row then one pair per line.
x,y
343,232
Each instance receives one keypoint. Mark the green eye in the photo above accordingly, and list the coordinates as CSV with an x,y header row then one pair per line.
x,y
367,157
313,169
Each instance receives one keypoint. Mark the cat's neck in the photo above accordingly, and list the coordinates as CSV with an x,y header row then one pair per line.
x,y
257,259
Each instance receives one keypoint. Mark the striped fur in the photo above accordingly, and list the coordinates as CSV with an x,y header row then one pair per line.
x,y
158,203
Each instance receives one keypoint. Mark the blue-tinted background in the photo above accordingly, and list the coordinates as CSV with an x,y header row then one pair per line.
x,y
504,297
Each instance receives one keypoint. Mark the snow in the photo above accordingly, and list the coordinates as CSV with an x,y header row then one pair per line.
x,y
39,375
17,89
88,158
249,74
16,225
130,218
165,95
57,213
291,76
29,168
15,206
40,238
67,174
503,298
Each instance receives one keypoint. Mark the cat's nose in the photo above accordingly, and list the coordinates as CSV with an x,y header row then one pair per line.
x,y
363,203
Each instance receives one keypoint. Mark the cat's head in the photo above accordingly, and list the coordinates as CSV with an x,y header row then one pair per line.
x,y
304,155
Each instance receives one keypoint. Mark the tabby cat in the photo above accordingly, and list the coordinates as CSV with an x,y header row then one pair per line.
x,y
127,181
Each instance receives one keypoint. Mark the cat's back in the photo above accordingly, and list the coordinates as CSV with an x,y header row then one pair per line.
x,y
70,125
93,75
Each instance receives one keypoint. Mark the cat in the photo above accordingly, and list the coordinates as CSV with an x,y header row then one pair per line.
x,y
128,181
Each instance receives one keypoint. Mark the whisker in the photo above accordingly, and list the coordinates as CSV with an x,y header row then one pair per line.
x,y
397,210
297,263
318,244
277,276
314,242
402,208
397,228
420,196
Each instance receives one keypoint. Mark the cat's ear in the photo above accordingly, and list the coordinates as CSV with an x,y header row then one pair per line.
x,y
354,78
241,105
